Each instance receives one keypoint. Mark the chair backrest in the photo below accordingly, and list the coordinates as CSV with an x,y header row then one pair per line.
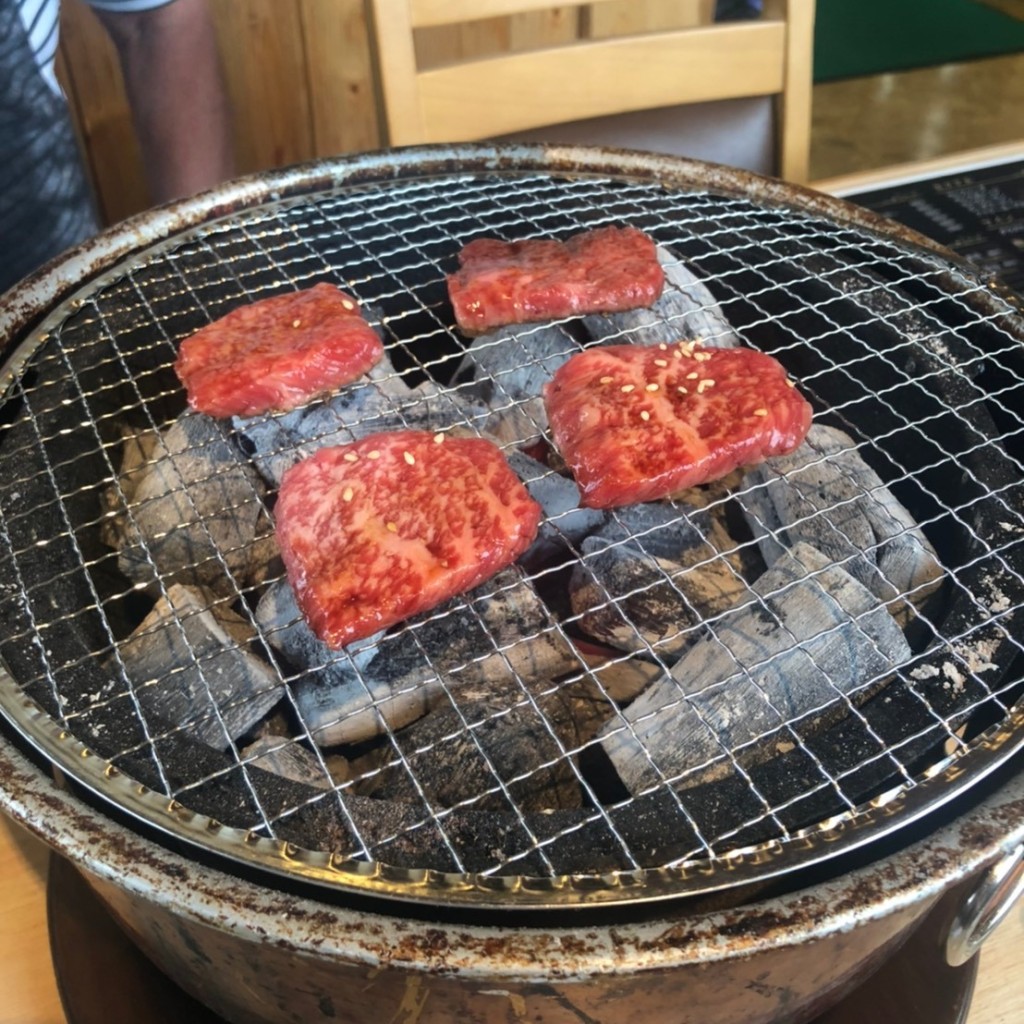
x,y
613,56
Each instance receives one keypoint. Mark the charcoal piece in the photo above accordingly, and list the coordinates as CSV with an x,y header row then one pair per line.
x,y
283,627
508,369
620,678
685,311
481,754
189,509
564,521
652,572
713,493
191,667
695,521
515,362
277,441
286,757
809,641
630,600
824,493
661,529
521,423
138,450
384,402
496,632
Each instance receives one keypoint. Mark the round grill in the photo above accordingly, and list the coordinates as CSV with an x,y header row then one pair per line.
x,y
138,561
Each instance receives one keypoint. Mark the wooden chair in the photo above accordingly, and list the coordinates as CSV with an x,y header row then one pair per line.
x,y
596,58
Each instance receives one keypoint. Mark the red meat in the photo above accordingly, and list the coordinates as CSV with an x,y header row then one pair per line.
x,y
277,353
637,423
394,524
601,271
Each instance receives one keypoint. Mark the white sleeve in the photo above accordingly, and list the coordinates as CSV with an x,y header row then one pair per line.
x,y
127,5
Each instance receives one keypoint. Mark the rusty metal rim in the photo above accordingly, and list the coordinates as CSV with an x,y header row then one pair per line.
x,y
881,817
25,309
21,307
117,856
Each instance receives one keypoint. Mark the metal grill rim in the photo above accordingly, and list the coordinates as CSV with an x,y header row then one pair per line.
x,y
281,243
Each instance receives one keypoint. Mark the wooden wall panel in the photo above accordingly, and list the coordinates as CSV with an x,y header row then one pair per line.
x,y
263,51
340,72
299,74
91,77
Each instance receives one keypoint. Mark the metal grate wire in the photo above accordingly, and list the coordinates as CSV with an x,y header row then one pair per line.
x,y
937,399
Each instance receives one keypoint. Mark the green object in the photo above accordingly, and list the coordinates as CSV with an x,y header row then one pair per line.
x,y
868,37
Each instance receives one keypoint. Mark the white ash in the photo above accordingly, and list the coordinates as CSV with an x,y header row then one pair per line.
x,y
826,495
955,679
190,509
813,639
191,665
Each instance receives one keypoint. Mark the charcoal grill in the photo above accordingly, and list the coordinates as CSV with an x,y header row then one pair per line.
x,y
894,341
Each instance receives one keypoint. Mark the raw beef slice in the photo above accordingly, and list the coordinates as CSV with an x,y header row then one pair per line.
x,y
637,423
601,271
394,524
277,353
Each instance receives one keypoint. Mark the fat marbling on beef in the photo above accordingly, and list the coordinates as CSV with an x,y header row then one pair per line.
x,y
600,271
637,423
386,527
277,353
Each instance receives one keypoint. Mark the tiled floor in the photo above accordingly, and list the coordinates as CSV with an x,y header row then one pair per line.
x,y
864,123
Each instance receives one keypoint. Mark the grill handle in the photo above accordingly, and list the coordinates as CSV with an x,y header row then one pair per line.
x,y
990,902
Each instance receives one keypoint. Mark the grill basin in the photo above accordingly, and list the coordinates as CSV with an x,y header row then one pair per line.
x,y
911,356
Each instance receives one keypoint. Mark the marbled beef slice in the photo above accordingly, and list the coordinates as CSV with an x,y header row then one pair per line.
x,y
637,423
394,524
601,271
277,353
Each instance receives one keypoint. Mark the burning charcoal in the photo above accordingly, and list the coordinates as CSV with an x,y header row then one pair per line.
x,y
275,435
466,755
283,626
494,633
824,493
811,641
191,667
137,454
714,492
287,758
508,369
521,423
564,520
192,510
515,362
277,442
621,678
651,614
330,686
688,531
686,310
670,567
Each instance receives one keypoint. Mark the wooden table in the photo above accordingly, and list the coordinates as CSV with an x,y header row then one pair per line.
x,y
920,170
29,990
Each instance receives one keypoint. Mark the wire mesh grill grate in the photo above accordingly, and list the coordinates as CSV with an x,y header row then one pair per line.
x,y
502,735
